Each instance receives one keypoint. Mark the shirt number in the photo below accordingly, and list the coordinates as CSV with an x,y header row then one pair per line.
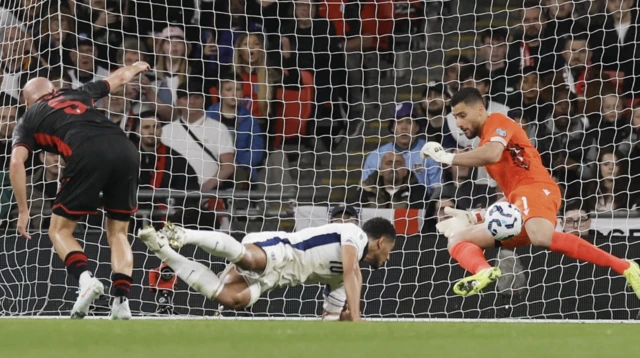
x,y
335,267
69,106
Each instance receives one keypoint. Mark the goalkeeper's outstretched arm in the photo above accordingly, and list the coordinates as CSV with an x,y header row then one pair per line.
x,y
489,153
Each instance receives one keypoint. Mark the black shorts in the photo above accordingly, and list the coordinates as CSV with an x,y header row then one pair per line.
x,y
108,164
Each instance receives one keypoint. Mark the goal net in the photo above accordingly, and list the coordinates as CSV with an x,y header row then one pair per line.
x,y
265,115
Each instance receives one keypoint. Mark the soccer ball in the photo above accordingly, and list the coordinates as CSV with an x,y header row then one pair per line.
x,y
503,220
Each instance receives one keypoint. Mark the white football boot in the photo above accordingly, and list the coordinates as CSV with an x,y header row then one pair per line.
x,y
120,309
175,234
154,240
87,293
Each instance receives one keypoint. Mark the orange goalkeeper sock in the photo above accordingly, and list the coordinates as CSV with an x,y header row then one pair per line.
x,y
469,256
577,248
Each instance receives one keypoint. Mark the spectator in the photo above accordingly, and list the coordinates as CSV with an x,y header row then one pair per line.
x,y
310,43
231,21
9,114
393,185
578,72
610,127
83,58
634,157
23,13
530,127
532,46
16,57
466,191
206,143
105,21
405,129
493,49
452,66
479,78
529,97
55,32
346,214
161,167
612,189
149,88
434,105
245,130
561,22
151,16
615,44
564,146
250,63
576,220
345,15
172,59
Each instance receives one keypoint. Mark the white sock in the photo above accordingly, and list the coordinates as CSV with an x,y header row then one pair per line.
x,y
84,279
216,243
196,275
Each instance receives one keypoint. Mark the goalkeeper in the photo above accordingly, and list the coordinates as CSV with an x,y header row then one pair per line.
x,y
328,254
511,160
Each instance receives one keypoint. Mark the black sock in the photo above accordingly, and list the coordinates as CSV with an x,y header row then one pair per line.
x,y
76,263
121,284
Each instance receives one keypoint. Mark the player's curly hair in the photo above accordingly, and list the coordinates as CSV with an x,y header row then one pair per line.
x,y
377,227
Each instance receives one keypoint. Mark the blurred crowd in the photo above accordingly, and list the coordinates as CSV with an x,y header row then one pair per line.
x,y
233,81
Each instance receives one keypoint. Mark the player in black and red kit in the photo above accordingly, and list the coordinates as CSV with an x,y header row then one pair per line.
x,y
100,158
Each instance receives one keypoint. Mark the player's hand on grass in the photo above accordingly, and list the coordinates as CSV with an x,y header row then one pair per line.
x,y
23,221
436,152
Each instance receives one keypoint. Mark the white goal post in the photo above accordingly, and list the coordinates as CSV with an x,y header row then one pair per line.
x,y
312,98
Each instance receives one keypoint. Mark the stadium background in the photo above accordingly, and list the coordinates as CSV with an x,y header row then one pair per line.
x,y
339,87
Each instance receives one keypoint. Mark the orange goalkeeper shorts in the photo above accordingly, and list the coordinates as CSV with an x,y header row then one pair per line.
x,y
534,201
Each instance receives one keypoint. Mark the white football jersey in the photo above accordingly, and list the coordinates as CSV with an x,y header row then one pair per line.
x,y
312,255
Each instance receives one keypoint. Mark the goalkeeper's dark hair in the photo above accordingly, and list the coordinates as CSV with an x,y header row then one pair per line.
x,y
467,96
378,227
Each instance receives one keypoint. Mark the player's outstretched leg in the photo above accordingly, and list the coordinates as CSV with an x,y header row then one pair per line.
x,y
121,265
542,233
195,274
216,243
230,289
466,247
75,260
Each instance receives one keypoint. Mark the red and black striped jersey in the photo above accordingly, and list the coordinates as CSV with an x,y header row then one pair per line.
x,y
61,122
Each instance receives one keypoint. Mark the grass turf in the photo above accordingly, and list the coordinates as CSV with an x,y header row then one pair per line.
x,y
27,338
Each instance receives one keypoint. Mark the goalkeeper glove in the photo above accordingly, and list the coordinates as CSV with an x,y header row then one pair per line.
x,y
472,217
436,152
460,219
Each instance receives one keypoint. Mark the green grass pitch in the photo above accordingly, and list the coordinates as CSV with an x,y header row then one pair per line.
x,y
27,338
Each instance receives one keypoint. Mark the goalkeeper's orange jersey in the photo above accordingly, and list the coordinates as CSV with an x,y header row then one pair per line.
x,y
520,163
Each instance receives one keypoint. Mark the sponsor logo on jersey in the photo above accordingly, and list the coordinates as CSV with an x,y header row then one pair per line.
x,y
501,132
